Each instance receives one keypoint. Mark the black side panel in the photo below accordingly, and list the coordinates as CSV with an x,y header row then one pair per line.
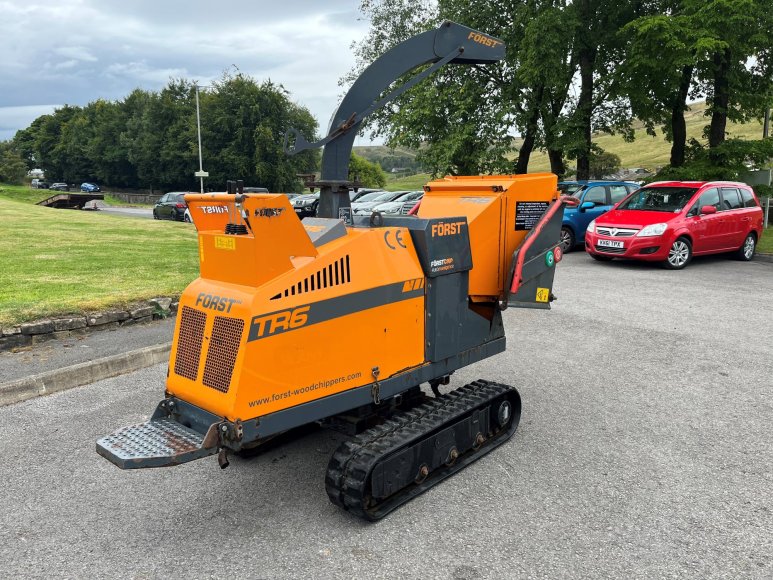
x,y
451,327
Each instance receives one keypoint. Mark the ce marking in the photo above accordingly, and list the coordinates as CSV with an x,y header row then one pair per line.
x,y
398,235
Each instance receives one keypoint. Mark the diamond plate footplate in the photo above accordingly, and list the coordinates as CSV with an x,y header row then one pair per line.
x,y
157,443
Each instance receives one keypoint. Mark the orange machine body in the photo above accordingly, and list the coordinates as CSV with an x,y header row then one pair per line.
x,y
491,204
275,321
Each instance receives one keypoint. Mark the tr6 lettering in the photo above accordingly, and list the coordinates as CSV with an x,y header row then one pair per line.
x,y
217,303
447,229
278,322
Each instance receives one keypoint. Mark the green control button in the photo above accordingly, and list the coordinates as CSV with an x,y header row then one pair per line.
x,y
550,259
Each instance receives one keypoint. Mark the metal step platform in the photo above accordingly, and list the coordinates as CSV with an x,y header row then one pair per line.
x,y
159,442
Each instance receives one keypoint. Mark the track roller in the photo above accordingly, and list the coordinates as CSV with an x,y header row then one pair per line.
x,y
390,464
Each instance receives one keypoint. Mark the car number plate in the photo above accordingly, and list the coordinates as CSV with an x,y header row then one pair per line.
x,y
298,210
610,243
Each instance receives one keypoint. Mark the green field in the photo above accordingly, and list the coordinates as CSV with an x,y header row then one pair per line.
x,y
64,261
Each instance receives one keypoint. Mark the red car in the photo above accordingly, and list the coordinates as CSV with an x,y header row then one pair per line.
x,y
671,221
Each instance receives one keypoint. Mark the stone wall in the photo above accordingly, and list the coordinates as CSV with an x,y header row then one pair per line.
x,y
149,198
30,333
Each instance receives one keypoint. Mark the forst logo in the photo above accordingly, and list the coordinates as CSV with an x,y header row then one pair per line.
x,y
213,209
447,228
217,303
278,322
269,211
483,39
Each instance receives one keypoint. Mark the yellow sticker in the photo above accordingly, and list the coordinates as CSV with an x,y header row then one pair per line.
x,y
542,294
201,248
225,243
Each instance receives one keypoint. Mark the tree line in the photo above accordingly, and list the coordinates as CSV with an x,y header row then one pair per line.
x,y
577,67
149,139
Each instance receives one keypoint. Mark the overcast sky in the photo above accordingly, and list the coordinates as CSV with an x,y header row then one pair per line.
x,y
56,52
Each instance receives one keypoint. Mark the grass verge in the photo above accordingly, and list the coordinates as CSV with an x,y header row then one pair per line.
x,y
61,261
411,182
765,244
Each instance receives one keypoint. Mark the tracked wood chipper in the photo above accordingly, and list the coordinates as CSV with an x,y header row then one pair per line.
x,y
339,319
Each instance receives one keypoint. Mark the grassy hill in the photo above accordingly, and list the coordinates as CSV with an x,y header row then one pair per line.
x,y
653,152
645,151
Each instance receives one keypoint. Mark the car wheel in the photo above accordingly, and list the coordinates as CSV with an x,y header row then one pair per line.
x,y
566,240
155,215
601,258
679,255
746,251
186,219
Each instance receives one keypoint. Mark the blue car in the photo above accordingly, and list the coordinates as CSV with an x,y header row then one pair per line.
x,y
89,187
596,198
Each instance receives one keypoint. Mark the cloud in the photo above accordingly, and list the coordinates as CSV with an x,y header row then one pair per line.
x,y
14,118
77,51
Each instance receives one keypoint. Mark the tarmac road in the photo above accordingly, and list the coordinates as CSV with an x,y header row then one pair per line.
x,y
645,451
127,211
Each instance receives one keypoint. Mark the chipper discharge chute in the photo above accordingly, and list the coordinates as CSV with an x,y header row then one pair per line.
x,y
339,319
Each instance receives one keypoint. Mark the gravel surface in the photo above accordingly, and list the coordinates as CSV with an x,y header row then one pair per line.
x,y
645,451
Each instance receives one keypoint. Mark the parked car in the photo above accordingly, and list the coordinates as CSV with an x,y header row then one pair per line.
x,y
38,184
306,205
402,205
89,187
596,198
365,204
171,206
672,221
60,187
357,195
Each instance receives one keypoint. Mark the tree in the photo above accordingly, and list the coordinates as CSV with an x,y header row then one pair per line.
x,y
462,119
598,50
12,166
658,72
603,163
367,173
734,47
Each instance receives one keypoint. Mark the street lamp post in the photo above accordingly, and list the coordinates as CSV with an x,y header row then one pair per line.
x,y
201,174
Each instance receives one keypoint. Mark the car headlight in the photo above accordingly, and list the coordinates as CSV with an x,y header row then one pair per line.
x,y
391,210
652,230
592,227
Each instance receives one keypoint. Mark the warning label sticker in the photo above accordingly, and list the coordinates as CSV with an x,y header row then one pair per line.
x,y
528,213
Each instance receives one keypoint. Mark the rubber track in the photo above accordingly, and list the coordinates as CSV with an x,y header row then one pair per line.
x,y
347,478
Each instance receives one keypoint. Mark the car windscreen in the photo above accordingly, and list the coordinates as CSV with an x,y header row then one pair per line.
x,y
665,199
372,196
389,195
180,197
570,188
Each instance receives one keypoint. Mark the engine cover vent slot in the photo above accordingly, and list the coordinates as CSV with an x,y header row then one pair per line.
x,y
221,352
334,274
186,362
